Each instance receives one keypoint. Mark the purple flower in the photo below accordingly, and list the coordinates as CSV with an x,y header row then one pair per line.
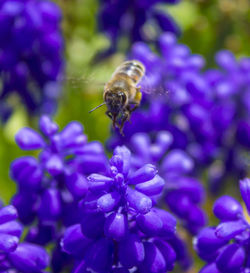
x,y
31,60
206,111
29,258
175,166
132,19
120,227
225,248
10,229
15,256
123,191
49,187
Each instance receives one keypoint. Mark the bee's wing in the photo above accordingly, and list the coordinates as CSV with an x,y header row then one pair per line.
x,y
151,84
79,82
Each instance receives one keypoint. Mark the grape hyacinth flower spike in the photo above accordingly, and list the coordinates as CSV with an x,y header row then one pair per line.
x,y
176,167
31,56
56,180
226,247
130,19
121,228
15,256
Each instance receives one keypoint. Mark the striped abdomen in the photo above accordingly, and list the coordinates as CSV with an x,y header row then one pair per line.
x,y
135,70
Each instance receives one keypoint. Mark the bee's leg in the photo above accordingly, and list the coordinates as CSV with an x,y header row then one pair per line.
x,y
112,117
136,105
125,117
108,113
114,121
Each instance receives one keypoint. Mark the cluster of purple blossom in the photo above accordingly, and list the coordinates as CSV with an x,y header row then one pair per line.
x,y
18,257
226,247
113,213
108,216
31,61
127,213
134,20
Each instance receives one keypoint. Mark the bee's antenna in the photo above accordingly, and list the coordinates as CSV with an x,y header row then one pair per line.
x,y
97,107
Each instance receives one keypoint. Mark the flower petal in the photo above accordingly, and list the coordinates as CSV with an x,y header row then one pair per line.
x,y
47,126
177,162
54,164
154,260
145,173
149,223
210,268
29,258
108,202
226,208
207,241
151,187
100,255
168,252
50,207
139,201
77,184
131,251
26,171
231,259
245,192
125,154
28,139
12,228
229,230
7,214
74,242
8,243
116,226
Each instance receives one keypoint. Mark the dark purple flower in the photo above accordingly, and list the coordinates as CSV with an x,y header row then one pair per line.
x,y
29,258
121,228
226,247
31,55
15,256
175,166
132,19
10,229
123,192
50,185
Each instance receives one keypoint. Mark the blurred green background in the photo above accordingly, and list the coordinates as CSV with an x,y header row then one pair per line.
x,y
207,27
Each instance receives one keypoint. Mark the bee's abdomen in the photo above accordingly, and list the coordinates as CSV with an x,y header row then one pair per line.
x,y
133,69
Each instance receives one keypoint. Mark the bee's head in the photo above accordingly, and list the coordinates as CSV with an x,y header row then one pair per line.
x,y
115,100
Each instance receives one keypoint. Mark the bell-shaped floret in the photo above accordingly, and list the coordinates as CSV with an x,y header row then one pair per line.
x,y
226,208
245,192
74,242
231,259
29,258
116,226
28,139
131,251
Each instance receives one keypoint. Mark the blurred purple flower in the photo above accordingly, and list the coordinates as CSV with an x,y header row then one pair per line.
x,y
225,248
137,20
49,187
31,55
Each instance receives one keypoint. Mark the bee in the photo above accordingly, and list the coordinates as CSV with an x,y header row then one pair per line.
x,y
121,94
